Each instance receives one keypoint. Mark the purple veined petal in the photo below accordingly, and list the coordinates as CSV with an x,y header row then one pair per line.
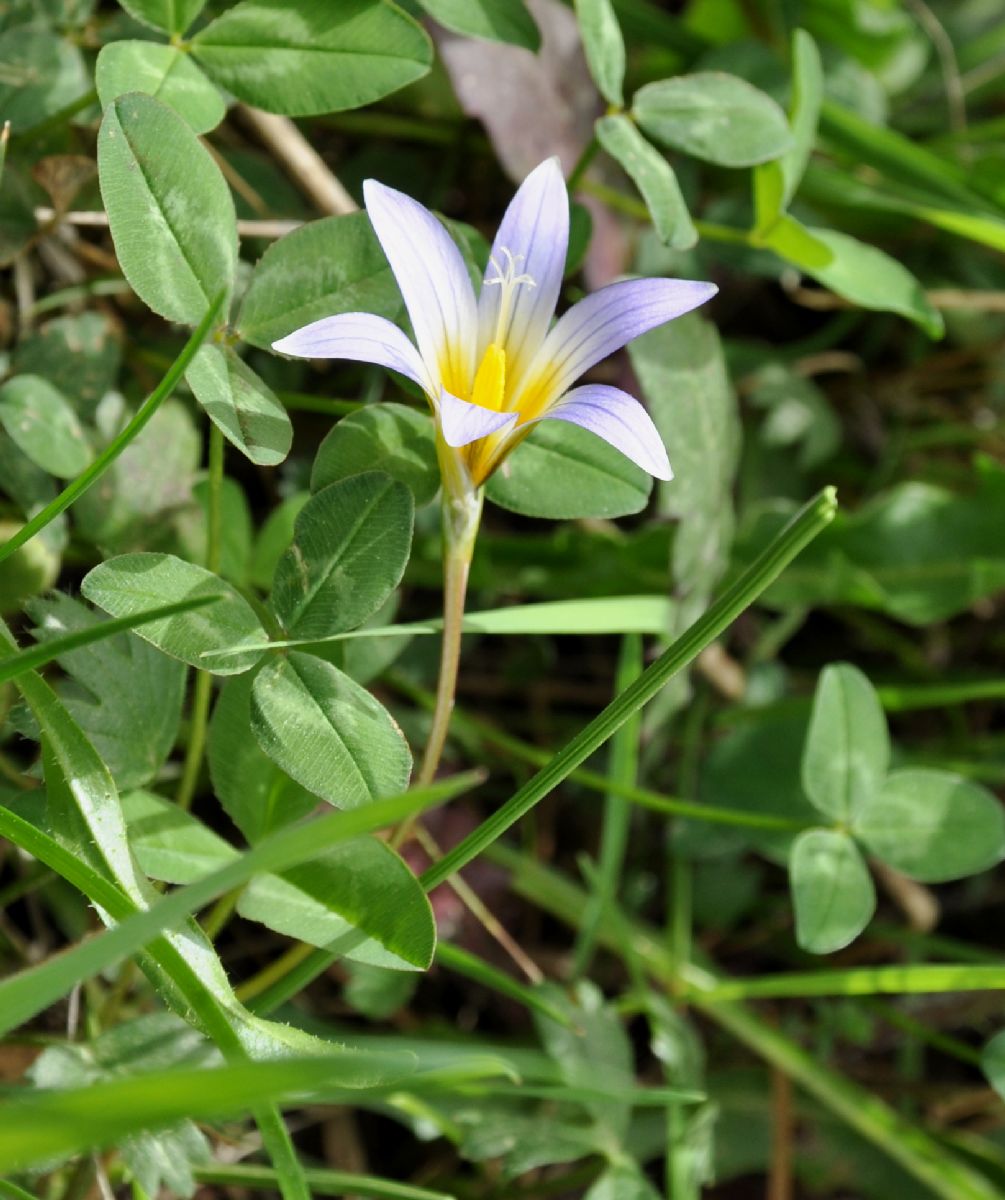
x,y
462,423
532,240
620,420
362,337
602,323
433,281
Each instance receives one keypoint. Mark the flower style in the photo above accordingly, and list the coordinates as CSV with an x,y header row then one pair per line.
x,y
493,366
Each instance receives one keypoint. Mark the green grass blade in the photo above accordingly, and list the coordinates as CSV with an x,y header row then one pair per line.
x,y
908,980
810,521
321,1183
912,1147
44,1123
624,764
29,992
33,657
111,452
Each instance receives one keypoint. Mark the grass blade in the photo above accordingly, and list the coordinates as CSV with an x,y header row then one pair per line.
x,y
33,657
111,452
805,525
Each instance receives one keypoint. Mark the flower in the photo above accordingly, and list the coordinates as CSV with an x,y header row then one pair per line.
x,y
493,366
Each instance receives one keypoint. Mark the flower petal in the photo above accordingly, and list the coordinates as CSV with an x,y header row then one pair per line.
x,y
600,324
362,337
433,281
620,420
461,422
535,233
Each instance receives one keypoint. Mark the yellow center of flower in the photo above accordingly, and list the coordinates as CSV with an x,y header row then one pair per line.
x,y
490,379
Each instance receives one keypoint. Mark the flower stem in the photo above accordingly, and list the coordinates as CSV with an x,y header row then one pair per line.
x,y
462,510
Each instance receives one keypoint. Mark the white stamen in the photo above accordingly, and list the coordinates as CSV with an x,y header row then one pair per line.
x,y
508,281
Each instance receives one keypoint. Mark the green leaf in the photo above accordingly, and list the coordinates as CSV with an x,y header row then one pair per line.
x,y
562,472
870,278
169,843
33,568
837,188
832,890
42,422
623,1181
359,895
256,795
79,355
327,732
791,240
134,739
653,176
933,825
274,539
350,547
776,183
146,487
170,212
604,46
847,750
591,1049
164,72
30,991
993,1062
302,57
918,552
40,74
496,20
135,583
804,111
240,404
358,898
325,267
713,116
383,437
170,16
683,376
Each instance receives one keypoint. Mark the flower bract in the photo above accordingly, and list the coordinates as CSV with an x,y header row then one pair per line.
x,y
494,365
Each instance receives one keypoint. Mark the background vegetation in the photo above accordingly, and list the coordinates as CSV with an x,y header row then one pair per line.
x,y
728,928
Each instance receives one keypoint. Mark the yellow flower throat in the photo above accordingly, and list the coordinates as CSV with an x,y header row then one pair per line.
x,y
489,388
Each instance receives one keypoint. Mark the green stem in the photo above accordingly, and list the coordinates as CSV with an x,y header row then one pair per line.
x,y
462,511
111,452
810,521
202,693
582,163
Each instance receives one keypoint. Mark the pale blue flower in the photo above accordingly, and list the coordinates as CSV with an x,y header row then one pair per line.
x,y
493,366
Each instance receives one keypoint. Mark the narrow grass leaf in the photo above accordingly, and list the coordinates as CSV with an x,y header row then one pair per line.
x,y
815,516
119,443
